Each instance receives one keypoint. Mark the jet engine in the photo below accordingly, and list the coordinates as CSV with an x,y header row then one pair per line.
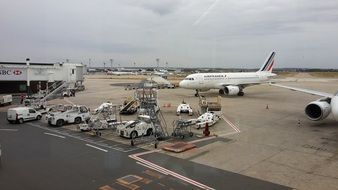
x,y
318,110
231,90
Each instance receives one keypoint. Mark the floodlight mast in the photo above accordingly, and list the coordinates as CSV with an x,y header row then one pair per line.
x,y
111,63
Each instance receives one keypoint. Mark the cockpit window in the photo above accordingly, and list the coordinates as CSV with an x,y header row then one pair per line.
x,y
189,78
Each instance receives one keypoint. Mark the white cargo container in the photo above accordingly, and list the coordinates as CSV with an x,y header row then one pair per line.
x,y
5,99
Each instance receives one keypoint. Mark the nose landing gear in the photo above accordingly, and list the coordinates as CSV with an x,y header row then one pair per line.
x,y
197,94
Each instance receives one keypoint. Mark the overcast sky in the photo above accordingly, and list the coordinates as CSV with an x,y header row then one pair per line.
x,y
184,33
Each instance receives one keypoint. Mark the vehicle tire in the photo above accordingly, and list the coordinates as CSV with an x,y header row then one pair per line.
x,y
38,117
59,123
191,134
133,135
149,132
77,120
20,121
240,93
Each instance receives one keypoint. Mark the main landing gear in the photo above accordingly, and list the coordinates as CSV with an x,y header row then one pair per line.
x,y
240,93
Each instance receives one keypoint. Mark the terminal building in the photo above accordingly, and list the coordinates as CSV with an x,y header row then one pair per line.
x,y
26,77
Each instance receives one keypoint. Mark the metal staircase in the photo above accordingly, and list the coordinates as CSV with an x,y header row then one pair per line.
x,y
55,88
147,96
51,90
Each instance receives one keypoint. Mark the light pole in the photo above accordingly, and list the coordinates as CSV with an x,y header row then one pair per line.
x,y
28,77
111,63
158,62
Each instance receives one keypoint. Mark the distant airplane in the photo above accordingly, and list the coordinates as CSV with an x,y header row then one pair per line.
x,y
91,70
118,73
160,72
321,108
229,83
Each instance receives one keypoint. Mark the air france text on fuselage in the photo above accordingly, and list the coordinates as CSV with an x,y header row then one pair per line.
x,y
214,77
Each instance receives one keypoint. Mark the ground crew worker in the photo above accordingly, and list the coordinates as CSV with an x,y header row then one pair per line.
x,y
22,97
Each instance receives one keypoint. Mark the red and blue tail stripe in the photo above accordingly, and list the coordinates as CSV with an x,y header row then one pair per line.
x,y
269,62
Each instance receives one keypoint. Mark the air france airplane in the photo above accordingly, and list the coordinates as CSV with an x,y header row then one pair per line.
x,y
229,83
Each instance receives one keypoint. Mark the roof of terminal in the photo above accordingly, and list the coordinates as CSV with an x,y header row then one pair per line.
x,y
24,63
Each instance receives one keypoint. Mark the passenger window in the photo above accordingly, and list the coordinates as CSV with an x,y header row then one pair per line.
x,y
31,111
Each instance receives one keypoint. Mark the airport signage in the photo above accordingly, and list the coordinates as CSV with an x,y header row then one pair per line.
x,y
12,74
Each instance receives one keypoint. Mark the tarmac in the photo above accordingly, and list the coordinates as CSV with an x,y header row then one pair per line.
x,y
264,135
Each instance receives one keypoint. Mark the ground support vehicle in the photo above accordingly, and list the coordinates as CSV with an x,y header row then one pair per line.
x,y
21,114
5,99
77,114
136,128
69,92
208,117
184,108
130,106
104,117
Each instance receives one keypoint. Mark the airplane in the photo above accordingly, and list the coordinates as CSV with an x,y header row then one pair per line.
x,y
123,71
229,83
118,73
321,108
91,70
160,72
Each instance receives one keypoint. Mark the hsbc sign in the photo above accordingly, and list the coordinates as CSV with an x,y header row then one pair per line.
x,y
7,74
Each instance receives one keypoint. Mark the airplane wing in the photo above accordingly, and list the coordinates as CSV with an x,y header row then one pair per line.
x,y
312,92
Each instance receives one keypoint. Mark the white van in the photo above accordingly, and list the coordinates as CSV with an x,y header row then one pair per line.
x,y
21,114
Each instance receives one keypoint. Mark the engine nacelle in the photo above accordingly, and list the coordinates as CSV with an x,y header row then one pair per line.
x,y
231,90
318,110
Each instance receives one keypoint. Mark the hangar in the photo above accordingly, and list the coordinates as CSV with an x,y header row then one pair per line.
x,y
26,77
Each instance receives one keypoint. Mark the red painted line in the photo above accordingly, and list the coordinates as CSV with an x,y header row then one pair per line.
x,y
172,173
146,152
231,124
176,175
202,139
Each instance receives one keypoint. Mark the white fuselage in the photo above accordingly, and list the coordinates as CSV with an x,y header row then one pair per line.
x,y
334,107
206,81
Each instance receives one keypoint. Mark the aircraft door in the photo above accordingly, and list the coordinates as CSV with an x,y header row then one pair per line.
x,y
200,79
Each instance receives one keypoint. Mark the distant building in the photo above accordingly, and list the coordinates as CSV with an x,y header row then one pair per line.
x,y
26,77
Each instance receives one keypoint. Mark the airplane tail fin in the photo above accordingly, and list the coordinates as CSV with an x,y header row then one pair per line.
x,y
269,63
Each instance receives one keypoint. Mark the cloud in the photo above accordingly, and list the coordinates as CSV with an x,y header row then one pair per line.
x,y
189,33
160,7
